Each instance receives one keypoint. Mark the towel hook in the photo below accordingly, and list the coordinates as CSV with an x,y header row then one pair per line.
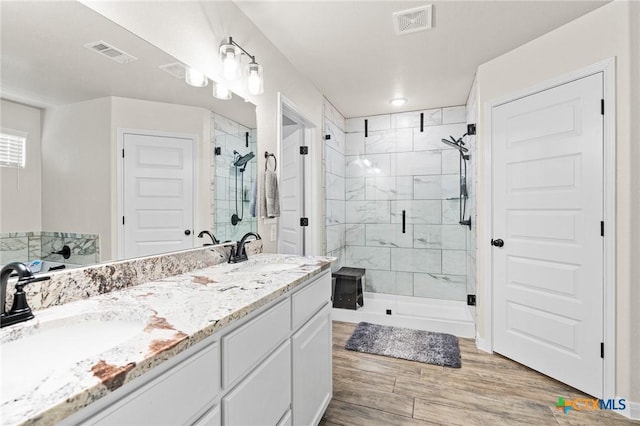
x,y
267,154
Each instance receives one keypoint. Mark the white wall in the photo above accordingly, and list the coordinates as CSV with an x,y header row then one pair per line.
x,y
160,117
20,188
191,32
601,34
75,170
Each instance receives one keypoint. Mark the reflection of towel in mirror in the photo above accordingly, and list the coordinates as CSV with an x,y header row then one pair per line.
x,y
254,195
271,199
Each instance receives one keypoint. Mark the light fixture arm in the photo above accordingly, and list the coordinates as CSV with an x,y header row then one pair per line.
x,y
231,41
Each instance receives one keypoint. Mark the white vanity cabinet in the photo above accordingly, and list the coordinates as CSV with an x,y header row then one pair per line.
x,y
271,368
312,384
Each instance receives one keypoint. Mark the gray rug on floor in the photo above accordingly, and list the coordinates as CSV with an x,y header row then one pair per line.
x,y
414,345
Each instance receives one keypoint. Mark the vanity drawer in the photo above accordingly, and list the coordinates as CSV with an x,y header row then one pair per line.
x,y
244,347
308,301
172,398
264,395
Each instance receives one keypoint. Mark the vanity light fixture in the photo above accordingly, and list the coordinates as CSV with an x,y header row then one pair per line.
x,y
398,101
230,53
220,91
195,78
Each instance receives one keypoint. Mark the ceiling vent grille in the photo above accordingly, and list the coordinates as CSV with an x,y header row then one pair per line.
x,y
105,49
176,69
412,20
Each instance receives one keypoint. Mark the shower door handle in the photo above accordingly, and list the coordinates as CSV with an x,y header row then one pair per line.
x,y
497,243
404,221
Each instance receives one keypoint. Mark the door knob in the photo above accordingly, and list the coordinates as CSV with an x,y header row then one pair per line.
x,y
187,232
497,243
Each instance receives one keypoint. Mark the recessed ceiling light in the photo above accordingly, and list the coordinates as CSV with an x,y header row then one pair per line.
x,y
398,101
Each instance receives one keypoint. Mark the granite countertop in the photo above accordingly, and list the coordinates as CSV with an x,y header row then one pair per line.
x,y
171,314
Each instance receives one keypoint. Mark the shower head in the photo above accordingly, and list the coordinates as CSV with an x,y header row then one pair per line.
x,y
241,160
454,144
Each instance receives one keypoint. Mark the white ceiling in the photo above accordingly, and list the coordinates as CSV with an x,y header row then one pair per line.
x,y
351,53
45,64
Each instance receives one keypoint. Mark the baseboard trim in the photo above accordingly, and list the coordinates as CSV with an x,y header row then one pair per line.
x,y
632,411
483,344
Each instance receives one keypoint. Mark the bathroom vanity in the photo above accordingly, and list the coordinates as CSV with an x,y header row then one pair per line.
x,y
237,344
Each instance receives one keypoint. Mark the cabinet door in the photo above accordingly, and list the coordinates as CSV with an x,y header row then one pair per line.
x,y
312,384
211,418
171,399
264,395
243,348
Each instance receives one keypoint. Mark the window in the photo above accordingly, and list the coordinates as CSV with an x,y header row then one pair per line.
x,y
12,148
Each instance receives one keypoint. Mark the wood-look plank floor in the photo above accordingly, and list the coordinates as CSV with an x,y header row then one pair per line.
x,y
488,390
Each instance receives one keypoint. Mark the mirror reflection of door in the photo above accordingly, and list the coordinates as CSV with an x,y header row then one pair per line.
x,y
157,194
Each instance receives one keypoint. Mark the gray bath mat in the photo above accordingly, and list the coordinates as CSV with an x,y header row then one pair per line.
x,y
414,345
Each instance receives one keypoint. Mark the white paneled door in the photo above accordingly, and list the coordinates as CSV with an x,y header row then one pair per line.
x,y
158,194
547,186
291,238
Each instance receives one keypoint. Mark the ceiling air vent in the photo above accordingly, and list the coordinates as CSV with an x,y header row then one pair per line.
x,y
105,49
412,20
176,69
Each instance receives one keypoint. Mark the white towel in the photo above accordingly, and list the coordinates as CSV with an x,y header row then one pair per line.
x,y
271,198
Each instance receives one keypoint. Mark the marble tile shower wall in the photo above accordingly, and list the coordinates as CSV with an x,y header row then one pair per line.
x,y
28,246
397,168
230,136
334,185
472,110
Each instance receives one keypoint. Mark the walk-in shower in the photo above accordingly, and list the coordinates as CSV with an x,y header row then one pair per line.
x,y
240,163
464,195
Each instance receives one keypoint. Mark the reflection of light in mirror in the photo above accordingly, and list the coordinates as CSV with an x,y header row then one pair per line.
x,y
220,91
195,78
366,162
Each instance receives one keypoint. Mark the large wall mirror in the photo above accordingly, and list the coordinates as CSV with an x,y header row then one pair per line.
x,y
78,93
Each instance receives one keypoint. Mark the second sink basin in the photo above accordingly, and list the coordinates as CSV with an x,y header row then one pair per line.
x,y
60,344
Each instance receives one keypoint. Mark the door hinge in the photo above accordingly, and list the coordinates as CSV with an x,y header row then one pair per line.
x,y
246,139
304,221
601,349
366,128
123,220
602,106
602,228
304,150
123,153
471,300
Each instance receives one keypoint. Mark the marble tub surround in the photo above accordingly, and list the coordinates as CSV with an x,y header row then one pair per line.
x,y
177,312
28,246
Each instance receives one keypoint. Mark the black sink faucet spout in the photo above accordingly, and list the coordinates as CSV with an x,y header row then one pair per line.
x,y
238,253
214,240
20,310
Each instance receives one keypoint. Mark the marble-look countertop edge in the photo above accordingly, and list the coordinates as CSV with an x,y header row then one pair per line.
x,y
122,375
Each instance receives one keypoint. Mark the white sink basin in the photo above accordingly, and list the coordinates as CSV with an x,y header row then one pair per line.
x,y
268,267
60,344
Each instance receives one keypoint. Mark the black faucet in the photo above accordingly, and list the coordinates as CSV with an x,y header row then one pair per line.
x,y
238,253
214,240
20,310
